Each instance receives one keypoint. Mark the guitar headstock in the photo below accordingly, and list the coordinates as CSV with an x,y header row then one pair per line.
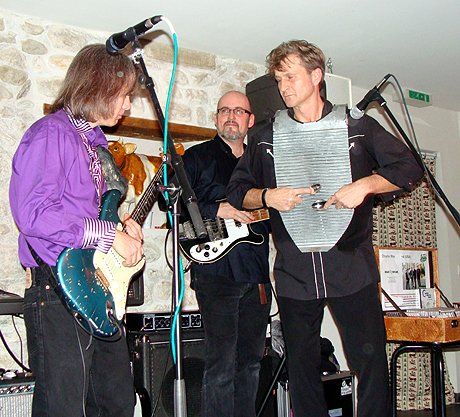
x,y
179,149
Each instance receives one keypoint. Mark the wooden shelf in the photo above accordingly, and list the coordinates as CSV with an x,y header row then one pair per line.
x,y
135,127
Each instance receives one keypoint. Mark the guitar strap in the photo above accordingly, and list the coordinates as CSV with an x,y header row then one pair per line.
x,y
114,179
95,167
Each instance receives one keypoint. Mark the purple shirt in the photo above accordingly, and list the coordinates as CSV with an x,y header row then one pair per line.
x,y
52,191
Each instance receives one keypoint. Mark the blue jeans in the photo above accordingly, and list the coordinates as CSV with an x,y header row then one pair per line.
x,y
235,325
361,325
74,376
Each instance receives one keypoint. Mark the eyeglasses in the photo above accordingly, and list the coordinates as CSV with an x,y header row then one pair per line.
x,y
237,111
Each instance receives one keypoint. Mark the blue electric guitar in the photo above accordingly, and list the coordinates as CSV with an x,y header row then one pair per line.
x,y
94,284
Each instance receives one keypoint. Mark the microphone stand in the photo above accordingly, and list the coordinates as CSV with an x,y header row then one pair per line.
x,y
180,406
378,97
180,398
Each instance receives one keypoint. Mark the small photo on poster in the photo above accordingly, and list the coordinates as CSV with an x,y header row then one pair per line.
x,y
414,275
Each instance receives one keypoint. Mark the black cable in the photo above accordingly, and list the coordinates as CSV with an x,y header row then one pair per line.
x,y
19,335
12,354
276,299
187,267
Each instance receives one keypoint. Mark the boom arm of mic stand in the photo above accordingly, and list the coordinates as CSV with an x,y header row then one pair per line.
x,y
188,195
430,176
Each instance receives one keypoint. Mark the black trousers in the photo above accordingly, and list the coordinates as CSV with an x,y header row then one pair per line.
x,y
235,327
361,325
75,374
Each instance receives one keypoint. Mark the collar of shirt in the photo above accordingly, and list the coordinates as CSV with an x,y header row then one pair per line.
x,y
84,129
225,146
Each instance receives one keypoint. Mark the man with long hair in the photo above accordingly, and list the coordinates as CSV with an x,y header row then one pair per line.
x,y
55,197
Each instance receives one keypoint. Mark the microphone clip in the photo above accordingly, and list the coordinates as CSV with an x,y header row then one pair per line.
x,y
373,95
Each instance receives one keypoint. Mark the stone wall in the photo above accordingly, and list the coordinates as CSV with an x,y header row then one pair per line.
x,y
34,56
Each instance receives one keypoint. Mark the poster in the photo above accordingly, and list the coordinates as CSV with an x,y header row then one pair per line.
x,y
404,274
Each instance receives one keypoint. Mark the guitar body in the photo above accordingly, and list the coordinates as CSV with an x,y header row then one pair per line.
x,y
217,244
94,284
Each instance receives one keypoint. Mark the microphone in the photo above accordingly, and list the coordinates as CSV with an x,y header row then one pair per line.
x,y
118,41
357,111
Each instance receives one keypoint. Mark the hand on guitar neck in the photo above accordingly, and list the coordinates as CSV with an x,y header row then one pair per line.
x,y
227,211
128,243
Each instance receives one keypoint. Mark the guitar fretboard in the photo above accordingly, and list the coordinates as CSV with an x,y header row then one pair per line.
x,y
261,214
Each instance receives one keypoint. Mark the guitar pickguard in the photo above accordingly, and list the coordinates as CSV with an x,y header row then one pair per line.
x,y
95,284
116,276
217,244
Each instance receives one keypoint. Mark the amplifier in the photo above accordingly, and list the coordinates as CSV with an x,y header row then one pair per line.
x,y
135,295
154,372
339,392
16,396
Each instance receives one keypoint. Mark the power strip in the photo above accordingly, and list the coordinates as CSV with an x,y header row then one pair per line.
x,y
163,321
148,322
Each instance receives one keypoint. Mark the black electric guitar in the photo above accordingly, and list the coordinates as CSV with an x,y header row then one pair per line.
x,y
223,235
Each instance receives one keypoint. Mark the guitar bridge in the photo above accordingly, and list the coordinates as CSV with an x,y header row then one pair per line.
x,y
216,229
103,280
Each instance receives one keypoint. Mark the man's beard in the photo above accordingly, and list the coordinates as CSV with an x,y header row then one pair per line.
x,y
231,134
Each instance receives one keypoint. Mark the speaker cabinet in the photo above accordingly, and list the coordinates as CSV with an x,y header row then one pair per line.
x,y
339,393
154,370
265,100
16,397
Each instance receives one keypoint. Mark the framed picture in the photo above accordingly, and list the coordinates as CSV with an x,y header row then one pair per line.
x,y
408,276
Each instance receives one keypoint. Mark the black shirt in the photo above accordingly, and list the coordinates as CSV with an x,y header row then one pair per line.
x,y
350,265
209,167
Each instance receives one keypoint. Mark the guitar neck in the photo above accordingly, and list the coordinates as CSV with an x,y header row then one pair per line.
x,y
260,215
150,195
148,199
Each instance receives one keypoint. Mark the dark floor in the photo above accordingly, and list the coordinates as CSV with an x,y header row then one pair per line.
x,y
451,411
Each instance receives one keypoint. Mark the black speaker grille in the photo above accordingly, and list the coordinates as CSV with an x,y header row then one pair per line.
x,y
193,374
154,371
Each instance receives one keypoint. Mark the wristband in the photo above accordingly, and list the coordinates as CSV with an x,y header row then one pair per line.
x,y
264,203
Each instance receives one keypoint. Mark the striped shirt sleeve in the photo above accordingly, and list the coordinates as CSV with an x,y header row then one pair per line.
x,y
99,234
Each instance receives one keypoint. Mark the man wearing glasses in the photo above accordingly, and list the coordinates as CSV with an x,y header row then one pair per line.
x,y
233,292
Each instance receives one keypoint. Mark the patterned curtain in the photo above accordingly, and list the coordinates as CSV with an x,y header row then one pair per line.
x,y
410,222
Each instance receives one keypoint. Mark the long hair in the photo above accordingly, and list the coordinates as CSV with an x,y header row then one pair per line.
x,y
310,56
94,81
